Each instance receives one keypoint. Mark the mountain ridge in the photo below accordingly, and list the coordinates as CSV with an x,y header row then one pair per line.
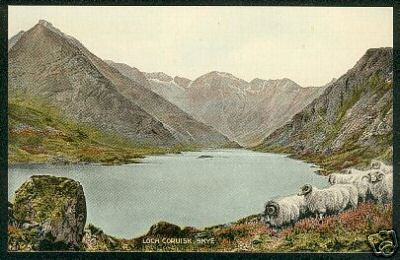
x,y
173,125
241,97
352,118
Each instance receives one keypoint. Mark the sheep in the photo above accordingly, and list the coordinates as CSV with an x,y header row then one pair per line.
x,y
331,200
356,179
378,165
381,186
354,171
284,211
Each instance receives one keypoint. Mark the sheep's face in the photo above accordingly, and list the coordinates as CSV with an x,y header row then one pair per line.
x,y
305,190
375,176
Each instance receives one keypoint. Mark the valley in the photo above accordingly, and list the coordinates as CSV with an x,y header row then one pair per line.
x,y
151,149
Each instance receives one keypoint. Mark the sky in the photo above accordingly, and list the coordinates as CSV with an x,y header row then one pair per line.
x,y
310,45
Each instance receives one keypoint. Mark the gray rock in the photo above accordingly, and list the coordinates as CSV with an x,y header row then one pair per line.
x,y
55,209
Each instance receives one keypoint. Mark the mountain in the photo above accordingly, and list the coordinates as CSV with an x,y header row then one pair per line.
x,y
56,67
353,118
274,102
13,40
244,111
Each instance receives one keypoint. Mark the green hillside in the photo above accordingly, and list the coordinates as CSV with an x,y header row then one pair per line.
x,y
38,133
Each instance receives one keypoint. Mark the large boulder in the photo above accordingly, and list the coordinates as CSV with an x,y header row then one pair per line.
x,y
54,209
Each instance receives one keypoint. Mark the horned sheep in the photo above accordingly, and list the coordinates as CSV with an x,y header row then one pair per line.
x,y
331,200
381,186
357,179
378,165
284,211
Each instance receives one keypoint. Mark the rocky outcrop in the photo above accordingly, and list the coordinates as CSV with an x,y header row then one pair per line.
x,y
52,210
95,239
164,229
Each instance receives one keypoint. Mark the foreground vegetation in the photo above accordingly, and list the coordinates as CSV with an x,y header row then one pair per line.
x,y
345,232
38,133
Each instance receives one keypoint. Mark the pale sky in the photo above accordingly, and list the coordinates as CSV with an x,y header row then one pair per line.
x,y
310,45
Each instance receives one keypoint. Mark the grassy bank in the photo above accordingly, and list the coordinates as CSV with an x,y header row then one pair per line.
x,y
38,133
359,157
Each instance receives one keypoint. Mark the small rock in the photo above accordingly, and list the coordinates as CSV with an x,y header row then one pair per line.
x,y
204,157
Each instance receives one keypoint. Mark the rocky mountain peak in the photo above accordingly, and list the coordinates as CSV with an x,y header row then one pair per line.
x,y
50,26
161,76
377,60
258,84
220,79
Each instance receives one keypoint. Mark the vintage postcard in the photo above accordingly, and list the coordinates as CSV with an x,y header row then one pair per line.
x,y
200,129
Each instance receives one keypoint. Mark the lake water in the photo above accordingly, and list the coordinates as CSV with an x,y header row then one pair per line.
x,y
183,189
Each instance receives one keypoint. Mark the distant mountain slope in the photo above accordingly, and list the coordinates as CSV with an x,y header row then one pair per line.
x,y
130,72
171,89
47,63
245,112
274,102
353,117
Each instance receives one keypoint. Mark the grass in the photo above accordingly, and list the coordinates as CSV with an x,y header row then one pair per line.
x,y
38,133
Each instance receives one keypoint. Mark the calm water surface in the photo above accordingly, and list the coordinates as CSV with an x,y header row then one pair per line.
x,y
183,189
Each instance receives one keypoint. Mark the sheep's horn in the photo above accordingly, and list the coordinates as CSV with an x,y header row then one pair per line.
x,y
306,188
380,176
271,208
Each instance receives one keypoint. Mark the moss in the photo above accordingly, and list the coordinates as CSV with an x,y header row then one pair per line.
x,y
43,198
